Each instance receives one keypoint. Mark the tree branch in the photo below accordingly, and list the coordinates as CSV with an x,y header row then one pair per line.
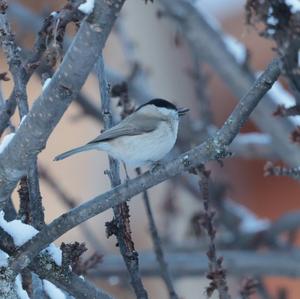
x,y
206,37
214,148
12,51
237,262
70,203
136,86
254,146
32,135
120,225
217,273
159,253
45,268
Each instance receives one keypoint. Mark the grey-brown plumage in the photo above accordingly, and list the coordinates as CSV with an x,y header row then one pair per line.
x,y
127,127
143,137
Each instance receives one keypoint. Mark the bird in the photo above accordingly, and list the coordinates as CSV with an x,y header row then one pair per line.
x,y
142,138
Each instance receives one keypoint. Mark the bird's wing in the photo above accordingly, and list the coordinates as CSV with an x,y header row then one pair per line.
x,y
127,128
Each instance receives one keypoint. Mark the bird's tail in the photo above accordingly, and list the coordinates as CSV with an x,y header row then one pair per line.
x,y
73,151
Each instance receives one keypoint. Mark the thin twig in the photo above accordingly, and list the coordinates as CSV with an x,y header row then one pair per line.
x,y
42,43
34,208
290,111
45,268
159,253
262,289
271,170
120,225
217,273
284,32
138,90
207,39
249,287
253,146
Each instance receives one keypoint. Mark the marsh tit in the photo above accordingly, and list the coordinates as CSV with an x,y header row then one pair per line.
x,y
144,137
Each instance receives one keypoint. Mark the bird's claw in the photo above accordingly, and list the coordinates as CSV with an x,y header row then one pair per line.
x,y
154,167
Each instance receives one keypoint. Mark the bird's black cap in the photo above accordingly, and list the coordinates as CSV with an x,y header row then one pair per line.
x,y
160,103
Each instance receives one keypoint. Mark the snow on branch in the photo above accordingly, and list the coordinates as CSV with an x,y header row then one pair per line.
x,y
22,233
284,99
250,223
6,140
294,5
44,266
87,7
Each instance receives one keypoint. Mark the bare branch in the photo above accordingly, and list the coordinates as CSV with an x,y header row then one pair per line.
x,y
136,85
25,72
207,39
159,253
12,51
271,170
45,268
182,264
70,202
120,225
34,131
214,148
281,25
217,273
49,38
248,288
287,222
290,111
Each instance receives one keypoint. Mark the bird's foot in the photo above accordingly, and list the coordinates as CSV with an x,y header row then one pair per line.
x,y
154,167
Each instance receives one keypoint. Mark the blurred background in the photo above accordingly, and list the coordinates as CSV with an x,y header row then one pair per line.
x,y
160,50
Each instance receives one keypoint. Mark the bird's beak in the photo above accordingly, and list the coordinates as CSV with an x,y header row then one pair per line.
x,y
182,111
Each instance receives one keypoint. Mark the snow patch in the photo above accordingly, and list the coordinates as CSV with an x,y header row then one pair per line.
x,y
19,289
53,291
255,138
54,14
6,140
221,9
87,7
22,232
46,83
3,259
271,19
19,231
271,31
23,118
294,5
113,280
250,223
55,253
236,48
210,19
283,97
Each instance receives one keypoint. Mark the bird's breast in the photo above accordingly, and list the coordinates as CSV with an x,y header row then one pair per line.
x,y
145,148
